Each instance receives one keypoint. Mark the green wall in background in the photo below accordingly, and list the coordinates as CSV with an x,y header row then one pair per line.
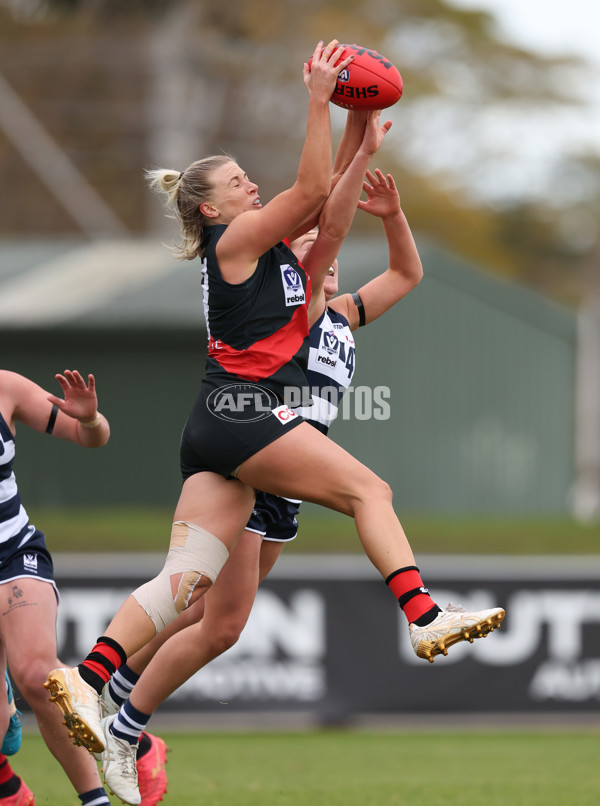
x,y
146,383
481,378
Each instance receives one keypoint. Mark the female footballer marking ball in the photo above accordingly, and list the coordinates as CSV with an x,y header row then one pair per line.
x,y
370,82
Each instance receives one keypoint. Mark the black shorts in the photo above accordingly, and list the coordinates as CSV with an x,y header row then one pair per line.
x,y
228,424
274,518
30,560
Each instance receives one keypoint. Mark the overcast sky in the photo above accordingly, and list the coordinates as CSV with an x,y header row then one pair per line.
x,y
524,169
551,26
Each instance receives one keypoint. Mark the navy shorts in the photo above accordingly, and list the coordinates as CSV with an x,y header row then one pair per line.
x,y
30,560
230,423
274,518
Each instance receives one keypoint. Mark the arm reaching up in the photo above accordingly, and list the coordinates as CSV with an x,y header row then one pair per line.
x,y
405,270
339,210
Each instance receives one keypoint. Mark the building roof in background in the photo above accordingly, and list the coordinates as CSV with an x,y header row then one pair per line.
x,y
138,283
71,283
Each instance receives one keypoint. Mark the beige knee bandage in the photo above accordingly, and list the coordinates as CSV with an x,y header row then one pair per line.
x,y
193,553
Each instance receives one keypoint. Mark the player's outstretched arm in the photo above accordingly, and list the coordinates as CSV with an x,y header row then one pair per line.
x,y
339,210
405,270
253,232
74,417
352,138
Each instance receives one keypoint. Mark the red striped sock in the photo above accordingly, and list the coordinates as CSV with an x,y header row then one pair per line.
x,y
102,662
6,772
407,586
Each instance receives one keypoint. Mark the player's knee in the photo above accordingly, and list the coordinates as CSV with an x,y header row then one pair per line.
x,y
193,563
29,678
384,491
373,491
225,637
188,588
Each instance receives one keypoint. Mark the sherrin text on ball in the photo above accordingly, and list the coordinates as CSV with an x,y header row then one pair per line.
x,y
370,82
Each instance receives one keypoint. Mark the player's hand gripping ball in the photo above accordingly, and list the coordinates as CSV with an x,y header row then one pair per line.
x,y
370,82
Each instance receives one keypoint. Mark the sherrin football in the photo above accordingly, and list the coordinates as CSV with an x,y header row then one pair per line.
x,y
369,82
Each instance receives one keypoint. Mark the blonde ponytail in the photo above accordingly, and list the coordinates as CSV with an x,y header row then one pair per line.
x,y
184,192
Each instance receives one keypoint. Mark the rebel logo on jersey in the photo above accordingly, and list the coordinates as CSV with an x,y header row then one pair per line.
x,y
292,286
332,350
331,342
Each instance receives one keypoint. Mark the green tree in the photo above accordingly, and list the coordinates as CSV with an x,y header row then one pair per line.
x,y
122,86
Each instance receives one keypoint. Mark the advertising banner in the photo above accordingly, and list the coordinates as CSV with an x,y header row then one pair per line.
x,y
325,637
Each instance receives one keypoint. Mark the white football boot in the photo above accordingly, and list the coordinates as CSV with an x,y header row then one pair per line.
x,y
452,625
119,765
80,704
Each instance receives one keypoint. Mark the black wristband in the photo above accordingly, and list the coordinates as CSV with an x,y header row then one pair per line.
x,y
52,419
361,309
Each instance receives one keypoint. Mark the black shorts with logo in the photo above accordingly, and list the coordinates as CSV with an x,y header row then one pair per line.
x,y
229,423
30,560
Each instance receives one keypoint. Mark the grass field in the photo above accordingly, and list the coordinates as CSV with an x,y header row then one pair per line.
x,y
358,769
348,768
148,529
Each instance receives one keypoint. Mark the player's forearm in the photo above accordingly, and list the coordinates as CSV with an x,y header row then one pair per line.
x,y
403,253
339,209
314,170
93,433
350,143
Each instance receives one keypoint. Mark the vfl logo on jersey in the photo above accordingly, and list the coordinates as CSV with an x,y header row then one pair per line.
x,y
292,286
30,562
331,342
335,355
284,414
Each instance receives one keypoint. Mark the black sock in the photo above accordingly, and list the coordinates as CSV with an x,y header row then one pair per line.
x,y
91,678
144,745
10,787
428,616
